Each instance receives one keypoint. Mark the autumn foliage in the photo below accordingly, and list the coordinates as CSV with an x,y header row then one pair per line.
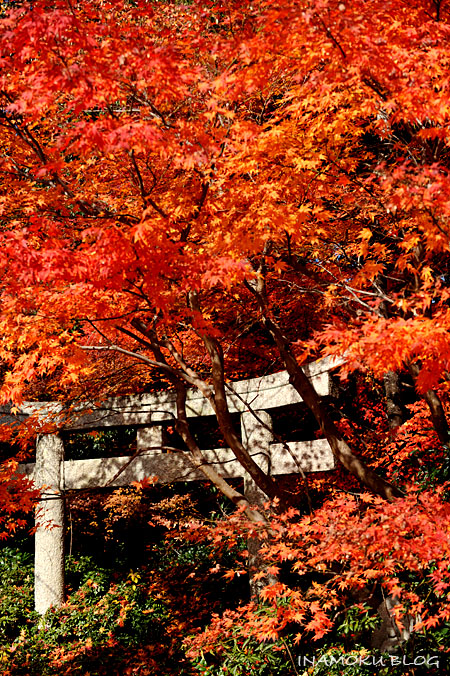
x,y
192,193
314,133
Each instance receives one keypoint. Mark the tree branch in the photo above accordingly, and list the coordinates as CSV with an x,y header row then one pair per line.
x,y
299,380
262,480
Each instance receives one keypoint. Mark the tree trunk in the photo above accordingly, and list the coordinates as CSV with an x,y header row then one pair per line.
x,y
199,461
339,447
265,482
216,397
437,412
392,392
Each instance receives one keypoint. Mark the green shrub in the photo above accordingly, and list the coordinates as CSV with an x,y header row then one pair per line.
x,y
16,593
238,656
95,627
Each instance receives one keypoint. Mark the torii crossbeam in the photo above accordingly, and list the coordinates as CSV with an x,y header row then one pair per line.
x,y
150,411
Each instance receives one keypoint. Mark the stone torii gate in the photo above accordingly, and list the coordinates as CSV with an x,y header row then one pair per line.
x,y
252,399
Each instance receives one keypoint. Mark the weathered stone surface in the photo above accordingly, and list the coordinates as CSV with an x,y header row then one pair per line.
x,y
266,393
149,439
49,538
307,456
256,432
310,456
256,438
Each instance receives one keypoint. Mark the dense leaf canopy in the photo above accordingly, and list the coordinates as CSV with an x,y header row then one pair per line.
x,y
195,192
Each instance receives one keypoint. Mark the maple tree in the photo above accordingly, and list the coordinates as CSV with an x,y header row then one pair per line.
x,y
185,185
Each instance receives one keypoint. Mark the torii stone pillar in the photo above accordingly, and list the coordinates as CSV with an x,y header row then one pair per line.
x,y
256,437
49,538
150,438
